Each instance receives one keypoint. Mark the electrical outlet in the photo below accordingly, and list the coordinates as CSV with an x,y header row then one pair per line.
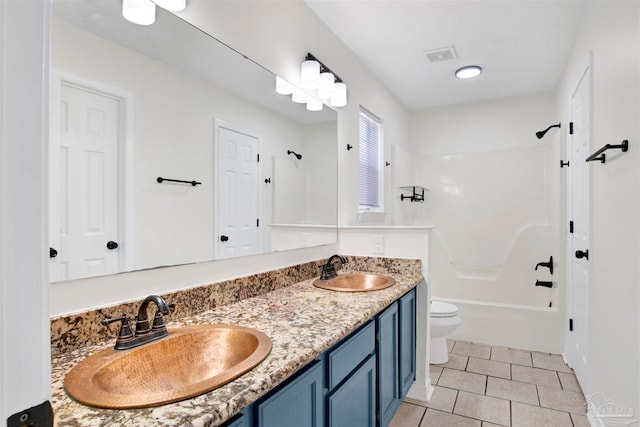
x,y
378,244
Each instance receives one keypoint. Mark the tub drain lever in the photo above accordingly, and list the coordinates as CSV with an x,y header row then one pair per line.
x,y
545,284
548,265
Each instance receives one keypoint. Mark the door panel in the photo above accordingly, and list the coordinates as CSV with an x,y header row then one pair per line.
x,y
84,184
579,148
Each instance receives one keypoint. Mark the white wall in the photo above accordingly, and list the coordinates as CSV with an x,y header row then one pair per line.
x,y
24,312
279,43
610,32
492,203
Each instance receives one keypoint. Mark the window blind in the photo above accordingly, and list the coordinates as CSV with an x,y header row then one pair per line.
x,y
370,177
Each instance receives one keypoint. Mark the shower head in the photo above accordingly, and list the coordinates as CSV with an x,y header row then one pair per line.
x,y
541,133
298,156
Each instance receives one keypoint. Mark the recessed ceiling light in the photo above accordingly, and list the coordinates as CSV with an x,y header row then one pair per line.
x,y
468,72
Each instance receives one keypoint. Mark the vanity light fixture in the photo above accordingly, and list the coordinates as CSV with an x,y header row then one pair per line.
x,y
315,75
283,87
314,104
468,72
143,12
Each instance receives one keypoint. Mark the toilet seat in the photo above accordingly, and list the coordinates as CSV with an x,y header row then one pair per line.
x,y
443,309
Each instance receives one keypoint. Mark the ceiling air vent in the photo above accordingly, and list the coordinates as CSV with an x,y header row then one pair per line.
x,y
442,54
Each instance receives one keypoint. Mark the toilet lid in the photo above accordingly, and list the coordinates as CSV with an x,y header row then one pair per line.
x,y
443,309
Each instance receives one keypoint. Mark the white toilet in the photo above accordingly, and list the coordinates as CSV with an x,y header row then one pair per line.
x,y
444,320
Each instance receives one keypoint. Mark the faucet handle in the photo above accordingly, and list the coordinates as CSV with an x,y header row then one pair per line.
x,y
125,335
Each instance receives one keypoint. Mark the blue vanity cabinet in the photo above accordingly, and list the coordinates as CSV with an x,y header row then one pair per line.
x,y
353,404
388,364
299,403
351,380
407,343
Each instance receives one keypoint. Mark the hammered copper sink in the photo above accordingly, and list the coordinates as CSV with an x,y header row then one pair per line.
x,y
356,282
189,362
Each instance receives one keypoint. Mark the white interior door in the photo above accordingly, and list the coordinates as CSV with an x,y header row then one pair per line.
x,y
579,148
237,193
84,185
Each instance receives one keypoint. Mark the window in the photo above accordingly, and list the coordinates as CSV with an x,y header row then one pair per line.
x,y
371,172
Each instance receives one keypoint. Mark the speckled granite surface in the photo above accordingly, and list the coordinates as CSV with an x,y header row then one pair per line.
x,y
302,322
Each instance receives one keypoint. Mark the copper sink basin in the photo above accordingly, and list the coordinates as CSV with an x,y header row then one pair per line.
x,y
356,282
189,362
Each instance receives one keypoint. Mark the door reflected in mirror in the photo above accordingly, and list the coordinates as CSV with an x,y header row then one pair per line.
x,y
130,104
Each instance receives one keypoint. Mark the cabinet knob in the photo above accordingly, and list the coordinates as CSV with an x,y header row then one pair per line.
x,y
583,254
53,253
224,238
111,245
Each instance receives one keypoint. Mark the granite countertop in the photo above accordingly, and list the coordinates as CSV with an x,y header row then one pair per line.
x,y
302,322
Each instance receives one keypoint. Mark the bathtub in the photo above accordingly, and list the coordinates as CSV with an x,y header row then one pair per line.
x,y
510,325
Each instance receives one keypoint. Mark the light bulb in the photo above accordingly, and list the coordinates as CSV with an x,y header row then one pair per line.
x,y
326,85
141,12
299,96
310,74
339,98
283,87
314,104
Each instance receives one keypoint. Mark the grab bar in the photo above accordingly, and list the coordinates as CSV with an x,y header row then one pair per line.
x,y
194,183
599,155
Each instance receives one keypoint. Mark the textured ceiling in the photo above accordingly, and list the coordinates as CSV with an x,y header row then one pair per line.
x,y
522,45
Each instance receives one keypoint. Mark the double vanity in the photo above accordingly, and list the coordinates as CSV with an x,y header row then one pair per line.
x,y
338,356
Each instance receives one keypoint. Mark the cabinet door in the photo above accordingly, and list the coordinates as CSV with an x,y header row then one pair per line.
x,y
298,404
353,404
407,341
388,378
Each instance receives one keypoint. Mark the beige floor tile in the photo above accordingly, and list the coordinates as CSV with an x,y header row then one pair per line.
x,y
450,344
460,380
472,349
580,420
407,416
562,400
537,376
484,408
492,368
434,373
443,399
486,424
456,361
523,415
416,402
441,419
569,382
512,390
509,355
549,361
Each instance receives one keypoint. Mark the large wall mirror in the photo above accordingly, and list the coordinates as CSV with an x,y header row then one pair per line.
x,y
131,104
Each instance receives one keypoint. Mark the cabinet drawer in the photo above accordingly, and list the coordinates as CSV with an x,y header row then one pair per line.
x,y
347,356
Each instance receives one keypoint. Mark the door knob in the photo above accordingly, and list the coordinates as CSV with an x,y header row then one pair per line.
x,y
224,238
52,253
111,245
583,254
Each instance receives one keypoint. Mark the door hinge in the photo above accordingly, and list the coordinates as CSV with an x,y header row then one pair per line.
x,y
571,227
570,128
563,163
258,222
571,325
258,158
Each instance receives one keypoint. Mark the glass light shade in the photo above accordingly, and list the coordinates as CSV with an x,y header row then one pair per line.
x,y
326,85
172,5
310,74
283,87
141,12
299,96
339,98
468,72
314,104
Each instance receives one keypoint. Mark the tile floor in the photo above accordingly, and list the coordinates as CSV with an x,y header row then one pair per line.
x,y
487,386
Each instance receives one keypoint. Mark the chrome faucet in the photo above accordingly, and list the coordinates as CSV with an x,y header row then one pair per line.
x,y
143,333
329,269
